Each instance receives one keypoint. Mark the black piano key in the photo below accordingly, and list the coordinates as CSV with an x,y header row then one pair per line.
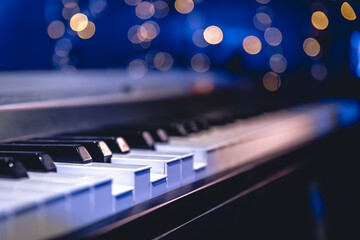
x,y
174,129
11,168
74,153
218,118
98,150
135,138
159,134
201,123
116,144
32,161
191,126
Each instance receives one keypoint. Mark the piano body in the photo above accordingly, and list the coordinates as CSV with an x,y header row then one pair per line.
x,y
167,150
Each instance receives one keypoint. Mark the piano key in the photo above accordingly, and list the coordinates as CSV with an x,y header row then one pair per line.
x,y
137,176
223,147
33,161
21,218
159,184
11,168
123,196
174,128
187,162
171,166
134,138
100,189
34,223
158,134
116,144
191,126
65,221
74,153
98,150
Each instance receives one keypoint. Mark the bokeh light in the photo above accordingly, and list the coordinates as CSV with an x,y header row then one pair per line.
x,y
319,71
88,32
70,9
198,38
213,35
319,20
348,12
200,62
311,47
63,47
133,34
132,2
278,63
273,36
137,68
161,9
271,81
148,31
97,6
252,45
145,10
163,61
262,21
56,29
78,22
203,86
184,6
263,1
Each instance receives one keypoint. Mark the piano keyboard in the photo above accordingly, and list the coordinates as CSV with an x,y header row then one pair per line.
x,y
98,175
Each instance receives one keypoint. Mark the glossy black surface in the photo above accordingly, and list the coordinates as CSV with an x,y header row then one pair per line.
x,y
111,141
92,146
11,168
33,161
59,152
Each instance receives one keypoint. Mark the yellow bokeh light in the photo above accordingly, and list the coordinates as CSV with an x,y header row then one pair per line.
x,y
56,29
271,81
78,22
319,20
348,12
184,6
213,35
252,45
88,32
148,31
311,47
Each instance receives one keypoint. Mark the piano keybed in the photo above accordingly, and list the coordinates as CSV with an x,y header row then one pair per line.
x,y
38,202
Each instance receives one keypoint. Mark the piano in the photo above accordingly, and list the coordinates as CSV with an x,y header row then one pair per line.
x,y
160,149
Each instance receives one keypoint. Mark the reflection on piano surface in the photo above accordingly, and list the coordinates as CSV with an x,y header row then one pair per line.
x,y
206,119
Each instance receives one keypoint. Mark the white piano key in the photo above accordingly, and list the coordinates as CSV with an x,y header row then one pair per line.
x,y
35,223
100,189
82,207
53,226
137,176
171,166
123,196
159,184
187,162
234,144
21,218
4,228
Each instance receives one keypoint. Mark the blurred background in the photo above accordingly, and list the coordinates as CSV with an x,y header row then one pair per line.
x,y
273,47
